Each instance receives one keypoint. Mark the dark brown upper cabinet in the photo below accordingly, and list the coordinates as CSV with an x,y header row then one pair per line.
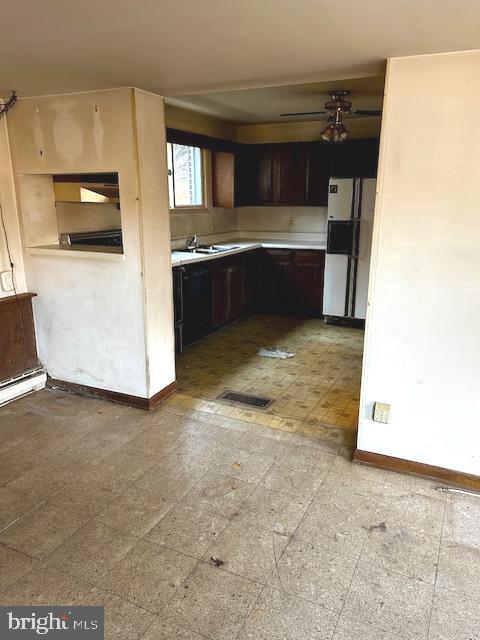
x,y
264,161
354,159
281,174
294,173
318,174
290,179
289,174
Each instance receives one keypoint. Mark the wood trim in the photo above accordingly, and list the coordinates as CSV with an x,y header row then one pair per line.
x,y
148,404
448,476
155,400
18,297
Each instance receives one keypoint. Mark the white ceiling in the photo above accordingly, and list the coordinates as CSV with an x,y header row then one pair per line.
x,y
194,46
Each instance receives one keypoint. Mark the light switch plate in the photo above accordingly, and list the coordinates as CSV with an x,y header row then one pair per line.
x,y
6,278
381,412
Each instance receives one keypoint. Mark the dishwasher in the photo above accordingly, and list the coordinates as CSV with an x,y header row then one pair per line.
x,y
197,303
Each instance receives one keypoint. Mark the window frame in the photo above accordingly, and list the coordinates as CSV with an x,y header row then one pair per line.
x,y
204,171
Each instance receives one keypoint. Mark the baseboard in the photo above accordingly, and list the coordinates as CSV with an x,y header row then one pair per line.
x,y
353,323
159,397
138,402
456,478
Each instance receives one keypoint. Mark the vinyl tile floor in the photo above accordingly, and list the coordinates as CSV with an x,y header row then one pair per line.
x,y
186,525
316,392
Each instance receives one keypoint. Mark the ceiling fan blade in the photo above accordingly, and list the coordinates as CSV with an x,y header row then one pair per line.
x,y
366,112
302,113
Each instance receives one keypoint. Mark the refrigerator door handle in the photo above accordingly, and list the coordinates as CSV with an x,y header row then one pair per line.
x,y
356,240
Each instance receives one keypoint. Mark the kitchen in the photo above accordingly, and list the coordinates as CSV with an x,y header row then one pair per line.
x,y
288,272
254,202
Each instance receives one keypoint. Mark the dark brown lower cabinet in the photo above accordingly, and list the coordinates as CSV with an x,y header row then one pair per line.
x,y
214,293
307,287
251,280
276,281
228,290
292,282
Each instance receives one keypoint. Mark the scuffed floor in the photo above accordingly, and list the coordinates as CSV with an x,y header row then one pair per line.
x,y
316,392
103,504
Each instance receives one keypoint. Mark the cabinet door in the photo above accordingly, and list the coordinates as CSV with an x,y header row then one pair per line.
x,y
308,282
251,280
220,293
197,303
265,175
235,291
245,169
276,281
178,275
318,174
290,174
355,159
223,179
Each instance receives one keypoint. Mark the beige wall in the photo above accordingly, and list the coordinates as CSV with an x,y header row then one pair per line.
x,y
422,347
10,217
212,221
73,216
155,240
306,223
187,120
303,131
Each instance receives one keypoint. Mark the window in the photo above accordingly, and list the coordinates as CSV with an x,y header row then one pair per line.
x,y
185,176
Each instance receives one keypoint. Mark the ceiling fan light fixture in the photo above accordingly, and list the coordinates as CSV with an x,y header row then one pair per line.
x,y
334,132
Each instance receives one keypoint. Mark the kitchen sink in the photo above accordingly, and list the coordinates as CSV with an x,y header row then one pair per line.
x,y
211,248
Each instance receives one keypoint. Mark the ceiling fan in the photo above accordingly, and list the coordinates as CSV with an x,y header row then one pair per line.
x,y
338,107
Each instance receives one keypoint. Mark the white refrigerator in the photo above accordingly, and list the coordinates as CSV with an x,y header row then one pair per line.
x,y
351,203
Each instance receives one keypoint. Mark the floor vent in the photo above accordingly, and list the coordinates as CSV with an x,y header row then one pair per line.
x,y
245,398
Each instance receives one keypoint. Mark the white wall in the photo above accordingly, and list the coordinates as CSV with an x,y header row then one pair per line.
x,y
90,313
422,348
10,217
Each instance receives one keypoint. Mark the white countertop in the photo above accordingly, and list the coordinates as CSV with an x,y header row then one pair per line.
x,y
180,258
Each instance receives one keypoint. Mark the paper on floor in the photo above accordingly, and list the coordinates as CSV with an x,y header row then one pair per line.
x,y
273,352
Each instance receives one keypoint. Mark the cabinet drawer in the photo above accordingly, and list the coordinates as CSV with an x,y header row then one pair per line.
x,y
310,256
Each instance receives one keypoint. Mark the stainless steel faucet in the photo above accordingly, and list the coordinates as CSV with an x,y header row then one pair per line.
x,y
193,242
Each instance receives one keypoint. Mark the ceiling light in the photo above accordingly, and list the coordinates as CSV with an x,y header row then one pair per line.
x,y
336,131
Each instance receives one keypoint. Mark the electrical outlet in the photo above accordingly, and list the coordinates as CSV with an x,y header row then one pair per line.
x,y
381,412
6,278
